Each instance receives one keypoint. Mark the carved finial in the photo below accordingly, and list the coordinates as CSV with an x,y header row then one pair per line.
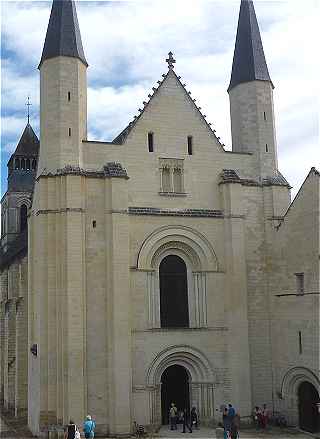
x,y
28,105
170,60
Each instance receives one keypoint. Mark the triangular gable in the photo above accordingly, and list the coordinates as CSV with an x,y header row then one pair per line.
x,y
313,172
120,139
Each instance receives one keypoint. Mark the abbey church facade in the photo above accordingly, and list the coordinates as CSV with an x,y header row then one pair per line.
x,y
159,266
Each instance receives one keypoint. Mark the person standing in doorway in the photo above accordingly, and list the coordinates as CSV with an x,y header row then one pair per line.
x,y
173,416
186,421
88,427
194,418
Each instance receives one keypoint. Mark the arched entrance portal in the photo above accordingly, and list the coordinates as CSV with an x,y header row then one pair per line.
x,y
308,410
174,388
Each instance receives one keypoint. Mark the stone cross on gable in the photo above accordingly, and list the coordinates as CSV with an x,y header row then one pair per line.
x,y
171,61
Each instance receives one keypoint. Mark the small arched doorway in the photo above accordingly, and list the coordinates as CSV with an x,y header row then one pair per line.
x,y
174,388
174,310
308,398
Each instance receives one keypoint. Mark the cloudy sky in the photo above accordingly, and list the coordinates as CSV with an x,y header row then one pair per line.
x,y
126,44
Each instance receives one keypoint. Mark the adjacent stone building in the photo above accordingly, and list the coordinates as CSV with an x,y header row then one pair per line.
x,y
161,267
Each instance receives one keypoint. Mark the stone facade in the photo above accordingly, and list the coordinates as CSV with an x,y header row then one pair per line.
x,y
105,215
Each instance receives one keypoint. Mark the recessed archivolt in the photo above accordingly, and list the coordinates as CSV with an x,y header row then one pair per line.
x,y
25,201
193,244
194,361
294,377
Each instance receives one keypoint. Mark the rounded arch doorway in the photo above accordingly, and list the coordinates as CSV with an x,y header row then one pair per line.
x,y
309,417
174,388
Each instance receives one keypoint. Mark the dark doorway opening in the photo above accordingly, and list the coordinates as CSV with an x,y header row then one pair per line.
x,y
23,217
309,418
173,293
174,388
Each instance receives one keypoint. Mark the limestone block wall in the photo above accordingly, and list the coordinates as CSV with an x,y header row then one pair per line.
x,y
13,337
296,250
3,301
63,121
253,126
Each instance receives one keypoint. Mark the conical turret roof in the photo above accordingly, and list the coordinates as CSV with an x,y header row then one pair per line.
x,y
28,144
63,34
249,63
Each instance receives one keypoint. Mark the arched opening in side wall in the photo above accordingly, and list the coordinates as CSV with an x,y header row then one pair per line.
x,y
174,310
308,398
23,217
174,389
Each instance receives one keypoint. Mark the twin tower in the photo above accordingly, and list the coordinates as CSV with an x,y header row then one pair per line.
x,y
63,72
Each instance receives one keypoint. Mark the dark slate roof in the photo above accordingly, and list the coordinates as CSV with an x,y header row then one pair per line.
x,y
63,34
249,63
21,181
277,180
232,176
28,145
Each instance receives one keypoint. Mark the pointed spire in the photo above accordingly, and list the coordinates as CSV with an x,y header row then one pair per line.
x,y
63,34
249,63
28,144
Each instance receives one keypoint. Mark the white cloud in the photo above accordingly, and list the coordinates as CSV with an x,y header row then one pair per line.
x,y
126,44
12,125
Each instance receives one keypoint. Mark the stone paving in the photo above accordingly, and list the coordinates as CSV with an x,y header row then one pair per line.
x,y
206,433
203,433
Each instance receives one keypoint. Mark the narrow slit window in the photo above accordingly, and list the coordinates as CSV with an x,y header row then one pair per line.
x,y
264,115
150,142
190,151
300,343
69,132
94,224
69,96
300,283
267,149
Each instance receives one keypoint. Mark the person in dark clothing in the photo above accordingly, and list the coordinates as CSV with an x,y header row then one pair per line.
x,y
194,418
186,421
70,430
226,423
235,426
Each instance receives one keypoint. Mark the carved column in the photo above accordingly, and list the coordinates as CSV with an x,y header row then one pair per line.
x,y
200,298
153,300
202,398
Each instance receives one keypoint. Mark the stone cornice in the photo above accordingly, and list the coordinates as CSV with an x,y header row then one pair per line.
x,y
156,211
110,170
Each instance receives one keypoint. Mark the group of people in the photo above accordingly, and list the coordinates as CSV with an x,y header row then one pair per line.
x,y
88,427
231,422
261,416
188,420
